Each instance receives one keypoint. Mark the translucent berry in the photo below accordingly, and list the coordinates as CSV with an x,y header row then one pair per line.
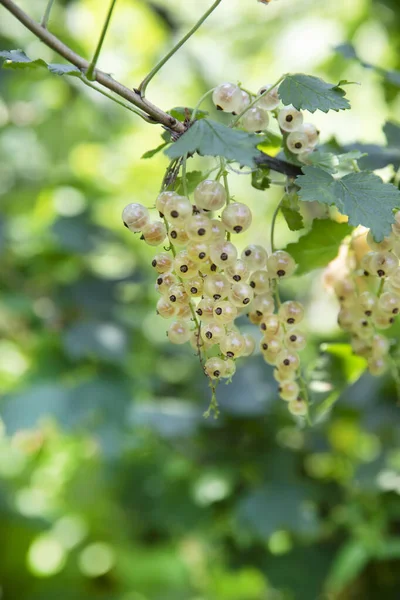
x,y
154,233
208,268
367,302
178,236
237,272
362,326
162,199
295,340
255,120
244,104
249,346
205,310
224,311
223,253
365,263
164,282
380,345
232,345
389,302
259,281
383,264
270,324
179,332
213,332
283,377
289,390
271,344
236,217
377,366
297,142
287,361
263,305
177,209
241,294
384,246
197,342
230,368
194,287
345,290
383,320
290,119
280,264
298,407
216,286
165,309
311,132
360,346
183,311
395,279
217,230
198,228
210,195
177,294
214,368
135,217
198,252
269,100
291,313
255,257
162,262
228,97
345,318
184,267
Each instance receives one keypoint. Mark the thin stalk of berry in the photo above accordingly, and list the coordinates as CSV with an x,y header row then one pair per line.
x,y
200,102
143,86
256,99
93,62
46,15
213,408
138,112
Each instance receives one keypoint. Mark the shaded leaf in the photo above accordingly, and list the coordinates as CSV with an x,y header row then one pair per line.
x,y
180,113
154,151
210,138
193,178
260,179
310,93
17,59
347,565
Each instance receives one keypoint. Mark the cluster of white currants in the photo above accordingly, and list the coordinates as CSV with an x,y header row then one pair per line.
x,y
300,138
369,297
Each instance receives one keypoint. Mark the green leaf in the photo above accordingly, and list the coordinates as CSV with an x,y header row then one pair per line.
x,y
346,50
319,246
363,197
154,151
192,181
180,113
260,179
312,93
17,59
392,133
290,210
210,138
324,160
350,560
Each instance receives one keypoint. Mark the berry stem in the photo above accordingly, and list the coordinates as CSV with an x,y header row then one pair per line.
x,y
224,173
213,408
184,178
256,99
304,389
93,62
143,86
46,15
200,102
380,289
138,112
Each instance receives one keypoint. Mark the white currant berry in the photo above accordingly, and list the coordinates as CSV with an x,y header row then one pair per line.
x,y
383,320
228,97
345,318
249,344
295,340
179,332
162,262
232,345
360,346
225,312
384,246
255,120
213,332
395,279
362,326
198,252
389,302
215,368
184,267
183,311
365,263
236,217
270,348
290,119
270,325
177,209
164,282
162,199
289,390
197,342
216,286
345,290
259,281
287,361
154,233
291,313
298,407
217,230
210,195
367,302
245,102
237,272
380,345
297,142
135,217
208,268
284,377
198,228
230,368
269,100
241,294
205,310
255,257
178,236
311,132
280,264
165,309
377,366
223,253
383,264
177,294
194,287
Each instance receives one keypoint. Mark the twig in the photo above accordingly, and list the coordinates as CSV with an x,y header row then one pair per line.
x,y
46,16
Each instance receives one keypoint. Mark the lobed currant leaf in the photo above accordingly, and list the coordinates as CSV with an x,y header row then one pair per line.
x,y
319,246
209,138
180,113
192,181
306,92
17,59
260,179
154,151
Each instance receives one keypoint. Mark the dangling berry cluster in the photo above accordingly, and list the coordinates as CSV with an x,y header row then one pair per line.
x,y
369,297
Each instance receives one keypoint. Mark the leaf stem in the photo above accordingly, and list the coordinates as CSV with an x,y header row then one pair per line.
x,y
273,223
143,86
46,16
200,102
92,65
256,99
107,95
184,179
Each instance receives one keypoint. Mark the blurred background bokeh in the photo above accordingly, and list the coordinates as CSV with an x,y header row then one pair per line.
x,y
112,484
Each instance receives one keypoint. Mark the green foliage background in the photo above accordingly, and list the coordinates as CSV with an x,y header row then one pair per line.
x,y
112,485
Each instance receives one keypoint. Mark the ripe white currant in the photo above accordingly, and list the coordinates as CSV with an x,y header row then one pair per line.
x,y
255,257
291,313
223,254
225,312
135,217
165,309
236,217
289,390
210,195
280,264
177,209
297,142
162,262
241,294
270,100
215,368
198,228
228,97
154,233
255,120
259,281
232,344
179,332
290,119
216,286
237,272
311,132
